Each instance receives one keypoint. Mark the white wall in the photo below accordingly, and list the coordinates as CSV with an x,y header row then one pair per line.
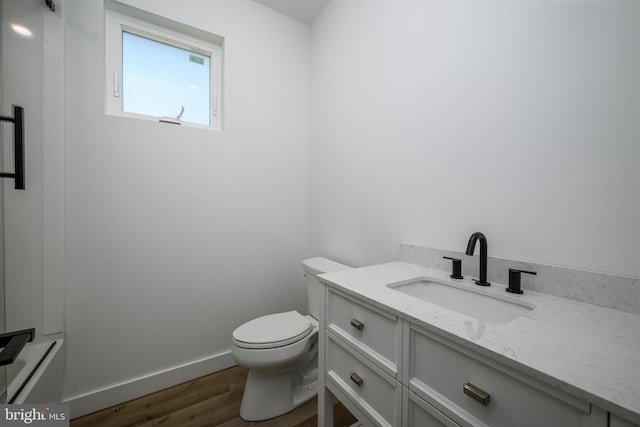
x,y
177,235
432,119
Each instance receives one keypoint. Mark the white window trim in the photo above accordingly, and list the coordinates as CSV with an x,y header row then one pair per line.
x,y
115,24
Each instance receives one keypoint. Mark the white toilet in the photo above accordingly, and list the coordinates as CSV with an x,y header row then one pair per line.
x,y
281,352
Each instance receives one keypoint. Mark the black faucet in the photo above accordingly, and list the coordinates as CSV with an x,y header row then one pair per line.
x,y
482,281
514,280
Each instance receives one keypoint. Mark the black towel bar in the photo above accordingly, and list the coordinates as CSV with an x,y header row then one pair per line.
x,y
13,343
18,146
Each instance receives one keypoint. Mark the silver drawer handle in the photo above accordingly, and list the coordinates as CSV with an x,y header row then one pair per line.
x,y
476,394
357,324
356,379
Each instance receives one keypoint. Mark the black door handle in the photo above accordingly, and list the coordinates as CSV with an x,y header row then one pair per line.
x,y
18,146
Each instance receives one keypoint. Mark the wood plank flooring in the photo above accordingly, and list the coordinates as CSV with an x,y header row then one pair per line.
x,y
212,400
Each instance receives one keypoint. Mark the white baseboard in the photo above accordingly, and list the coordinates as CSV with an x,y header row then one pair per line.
x,y
103,398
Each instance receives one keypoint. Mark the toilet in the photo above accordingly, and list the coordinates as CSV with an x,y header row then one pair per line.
x,y
281,352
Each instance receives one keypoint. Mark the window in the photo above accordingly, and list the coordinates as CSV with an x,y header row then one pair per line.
x,y
157,73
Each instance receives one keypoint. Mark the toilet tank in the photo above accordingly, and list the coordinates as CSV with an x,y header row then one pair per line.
x,y
315,290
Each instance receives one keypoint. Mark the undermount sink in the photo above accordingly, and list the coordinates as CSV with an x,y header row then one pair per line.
x,y
466,301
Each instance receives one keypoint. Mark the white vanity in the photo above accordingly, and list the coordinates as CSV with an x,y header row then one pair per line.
x,y
393,357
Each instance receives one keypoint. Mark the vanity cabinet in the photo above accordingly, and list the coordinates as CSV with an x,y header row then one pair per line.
x,y
390,372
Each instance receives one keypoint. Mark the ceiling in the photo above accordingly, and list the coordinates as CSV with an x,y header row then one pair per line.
x,y
302,10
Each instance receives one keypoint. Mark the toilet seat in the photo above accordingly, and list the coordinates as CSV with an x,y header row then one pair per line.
x,y
273,330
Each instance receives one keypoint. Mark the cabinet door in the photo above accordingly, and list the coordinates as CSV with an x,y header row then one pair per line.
x,y
418,413
476,391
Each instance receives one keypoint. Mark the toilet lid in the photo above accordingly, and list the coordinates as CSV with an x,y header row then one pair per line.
x,y
273,330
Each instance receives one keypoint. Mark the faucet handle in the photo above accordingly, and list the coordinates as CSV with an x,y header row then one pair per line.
x,y
514,280
457,268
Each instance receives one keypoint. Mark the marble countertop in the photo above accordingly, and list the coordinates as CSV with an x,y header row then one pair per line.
x,y
590,352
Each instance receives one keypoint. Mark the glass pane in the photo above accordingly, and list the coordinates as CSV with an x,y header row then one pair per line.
x,y
159,79
3,369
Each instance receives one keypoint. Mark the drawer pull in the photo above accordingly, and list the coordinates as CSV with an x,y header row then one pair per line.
x,y
356,379
476,394
357,324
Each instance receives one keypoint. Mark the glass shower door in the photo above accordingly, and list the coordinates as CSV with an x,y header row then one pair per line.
x,y
22,53
3,369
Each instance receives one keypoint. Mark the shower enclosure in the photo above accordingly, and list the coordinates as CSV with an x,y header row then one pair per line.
x,y
15,17
31,204
3,369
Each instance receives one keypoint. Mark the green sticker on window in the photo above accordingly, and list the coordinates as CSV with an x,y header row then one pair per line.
x,y
196,59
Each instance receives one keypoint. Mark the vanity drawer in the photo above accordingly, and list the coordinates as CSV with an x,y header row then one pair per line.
x,y
615,421
420,414
372,332
374,392
438,371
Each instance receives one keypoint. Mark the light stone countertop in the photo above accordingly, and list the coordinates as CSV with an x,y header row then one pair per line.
x,y
590,352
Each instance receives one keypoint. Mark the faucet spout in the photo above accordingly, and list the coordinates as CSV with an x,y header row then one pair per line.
x,y
482,281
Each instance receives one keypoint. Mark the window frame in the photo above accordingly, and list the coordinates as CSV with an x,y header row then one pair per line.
x,y
116,23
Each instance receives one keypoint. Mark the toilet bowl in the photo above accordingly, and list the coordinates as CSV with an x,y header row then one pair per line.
x,y
281,352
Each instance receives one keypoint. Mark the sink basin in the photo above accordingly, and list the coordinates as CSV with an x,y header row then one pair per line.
x,y
466,301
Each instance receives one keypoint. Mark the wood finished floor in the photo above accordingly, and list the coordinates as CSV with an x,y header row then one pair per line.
x,y
212,400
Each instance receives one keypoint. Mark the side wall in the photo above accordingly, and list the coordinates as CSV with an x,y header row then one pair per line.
x,y
433,119
176,235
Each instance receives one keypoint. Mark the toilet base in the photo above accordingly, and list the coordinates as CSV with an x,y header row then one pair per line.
x,y
268,396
